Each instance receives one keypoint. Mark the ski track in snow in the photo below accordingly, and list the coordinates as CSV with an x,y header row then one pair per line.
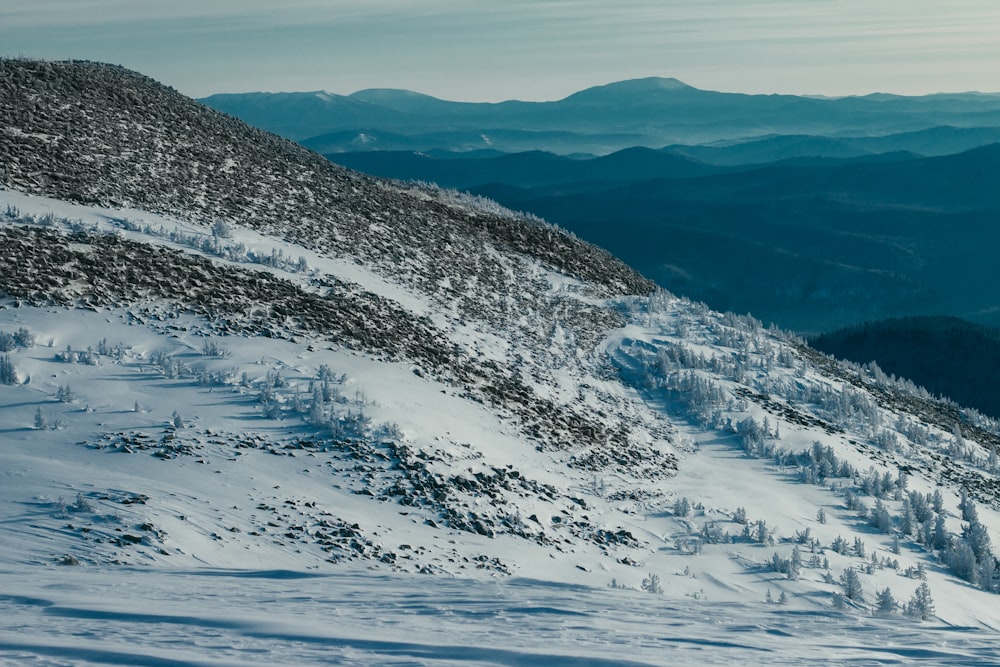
x,y
215,617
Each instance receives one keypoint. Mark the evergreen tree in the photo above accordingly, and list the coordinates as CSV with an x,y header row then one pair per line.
x,y
921,605
885,603
8,374
880,517
40,421
852,585
941,539
965,506
682,507
795,563
978,538
962,561
906,518
937,501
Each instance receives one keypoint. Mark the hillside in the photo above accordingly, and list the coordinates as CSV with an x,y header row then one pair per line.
x,y
652,112
225,359
946,355
828,243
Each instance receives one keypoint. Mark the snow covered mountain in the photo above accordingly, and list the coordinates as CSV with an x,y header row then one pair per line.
x,y
222,355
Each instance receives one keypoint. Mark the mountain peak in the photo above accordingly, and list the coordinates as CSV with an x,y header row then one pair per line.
x,y
632,88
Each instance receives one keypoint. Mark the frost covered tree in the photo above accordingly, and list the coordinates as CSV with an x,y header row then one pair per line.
x,y
921,605
885,603
651,584
220,229
8,373
880,518
40,421
851,583
682,507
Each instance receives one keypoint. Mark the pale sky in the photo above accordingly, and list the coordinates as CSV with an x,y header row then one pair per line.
x,y
490,50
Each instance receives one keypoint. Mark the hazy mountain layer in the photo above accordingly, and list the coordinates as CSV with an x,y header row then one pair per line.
x,y
646,112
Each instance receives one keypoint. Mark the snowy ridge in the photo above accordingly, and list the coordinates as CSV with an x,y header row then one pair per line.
x,y
433,394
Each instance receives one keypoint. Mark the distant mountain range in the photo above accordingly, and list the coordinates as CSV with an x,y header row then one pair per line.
x,y
652,112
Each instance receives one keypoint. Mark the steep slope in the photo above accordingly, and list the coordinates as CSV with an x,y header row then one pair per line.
x,y
481,302
282,366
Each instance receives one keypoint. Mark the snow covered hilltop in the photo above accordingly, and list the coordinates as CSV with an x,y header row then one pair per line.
x,y
218,350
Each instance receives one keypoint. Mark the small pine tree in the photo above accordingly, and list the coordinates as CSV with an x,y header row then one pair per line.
x,y
65,394
795,563
852,585
220,229
40,421
821,515
176,420
8,373
682,507
859,547
885,603
740,515
651,584
921,605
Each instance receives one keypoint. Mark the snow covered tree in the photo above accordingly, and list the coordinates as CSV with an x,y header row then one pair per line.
x,y
885,603
941,538
40,421
220,229
65,394
879,517
8,373
937,501
966,506
682,507
921,605
795,563
859,547
851,583
651,584
978,537
961,560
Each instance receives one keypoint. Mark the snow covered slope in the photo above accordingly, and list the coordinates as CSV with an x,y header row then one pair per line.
x,y
223,355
